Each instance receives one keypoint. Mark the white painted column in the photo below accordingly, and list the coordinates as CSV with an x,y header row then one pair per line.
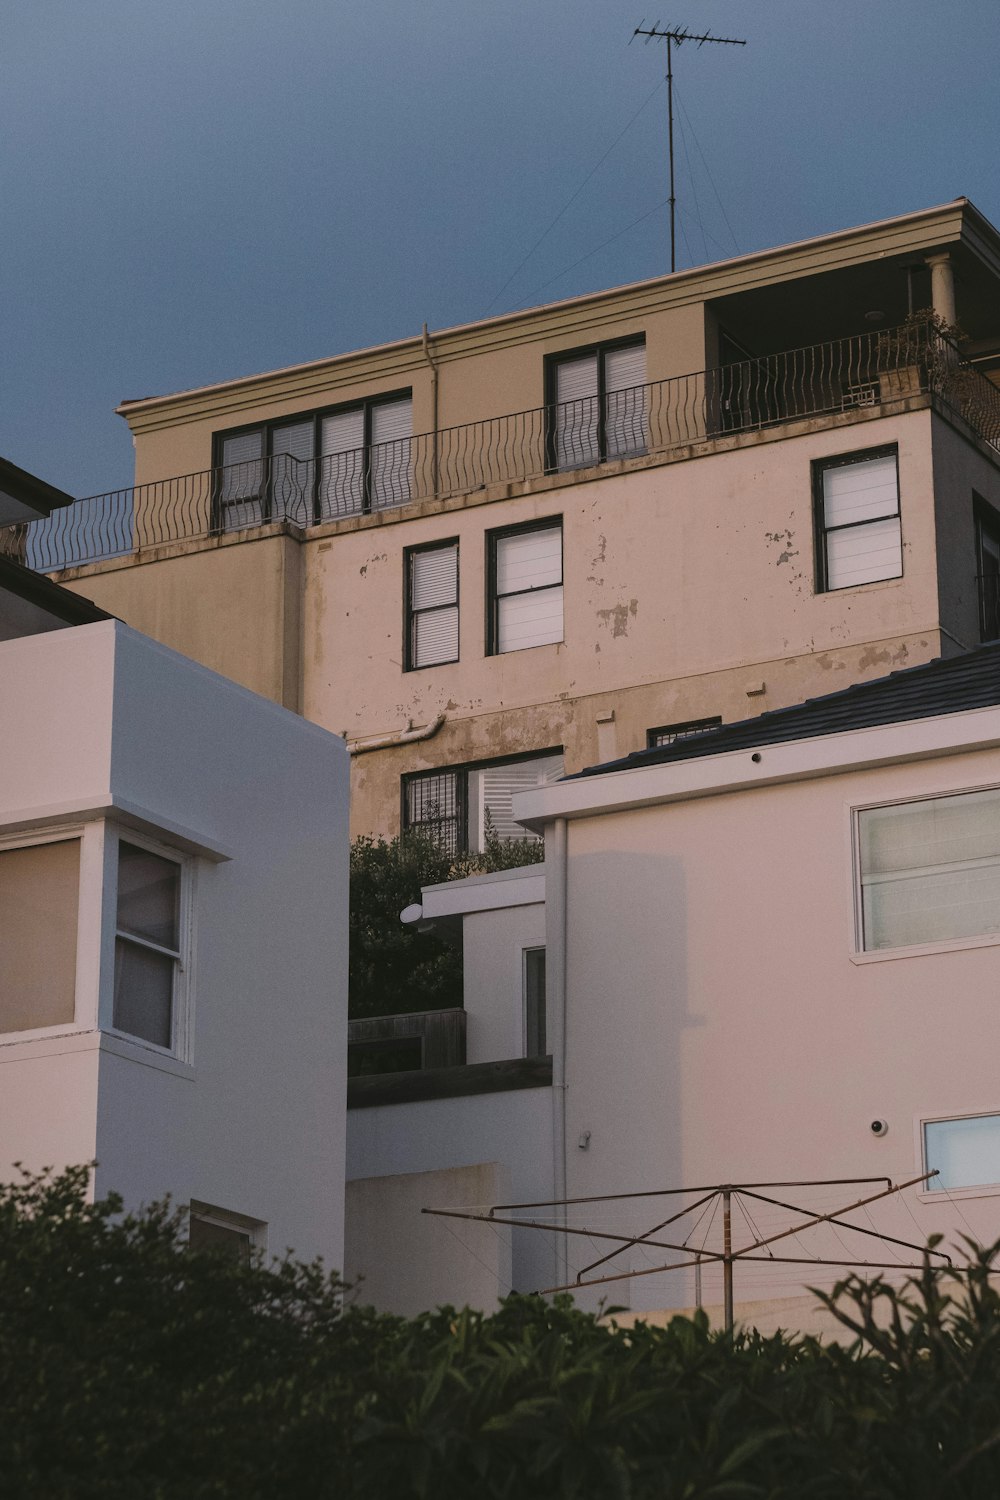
x,y
942,286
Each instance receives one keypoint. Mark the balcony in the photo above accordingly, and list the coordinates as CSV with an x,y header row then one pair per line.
x,y
659,419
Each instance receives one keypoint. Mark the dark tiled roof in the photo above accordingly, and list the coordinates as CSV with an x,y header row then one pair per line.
x,y
944,686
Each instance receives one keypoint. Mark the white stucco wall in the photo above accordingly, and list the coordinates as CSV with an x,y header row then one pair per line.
x,y
103,728
721,1024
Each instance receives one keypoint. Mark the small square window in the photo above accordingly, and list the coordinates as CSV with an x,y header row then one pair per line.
x,y
147,945
858,537
526,593
965,1152
230,1236
668,733
431,605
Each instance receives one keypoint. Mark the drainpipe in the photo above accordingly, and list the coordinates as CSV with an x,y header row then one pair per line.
x,y
434,411
404,737
555,990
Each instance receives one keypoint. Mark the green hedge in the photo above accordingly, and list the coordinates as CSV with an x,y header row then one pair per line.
x,y
131,1368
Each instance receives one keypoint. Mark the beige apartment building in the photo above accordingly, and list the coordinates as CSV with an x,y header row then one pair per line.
x,y
496,552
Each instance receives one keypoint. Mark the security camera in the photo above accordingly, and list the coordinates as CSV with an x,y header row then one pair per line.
x,y
879,1127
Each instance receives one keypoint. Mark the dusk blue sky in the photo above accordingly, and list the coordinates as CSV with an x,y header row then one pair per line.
x,y
200,189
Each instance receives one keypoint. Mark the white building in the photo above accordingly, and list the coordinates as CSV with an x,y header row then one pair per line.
x,y
173,937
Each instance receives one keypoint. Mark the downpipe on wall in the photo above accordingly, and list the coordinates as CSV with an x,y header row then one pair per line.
x,y
556,860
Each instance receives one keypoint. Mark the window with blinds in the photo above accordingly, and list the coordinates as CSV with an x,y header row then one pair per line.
x,y
857,518
432,605
527,588
317,466
598,405
666,734
930,871
464,807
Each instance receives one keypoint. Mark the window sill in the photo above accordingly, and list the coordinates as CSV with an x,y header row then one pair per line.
x,y
130,1047
943,1195
923,950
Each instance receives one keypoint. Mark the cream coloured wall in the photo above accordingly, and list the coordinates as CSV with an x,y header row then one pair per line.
x,y
721,1025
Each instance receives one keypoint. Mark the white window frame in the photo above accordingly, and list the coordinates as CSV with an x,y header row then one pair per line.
x,y
182,1017
90,837
861,955
941,1195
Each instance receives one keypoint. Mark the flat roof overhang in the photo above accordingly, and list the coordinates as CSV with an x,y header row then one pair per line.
x,y
25,497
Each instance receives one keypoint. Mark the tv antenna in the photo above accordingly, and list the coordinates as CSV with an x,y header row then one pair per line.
x,y
674,36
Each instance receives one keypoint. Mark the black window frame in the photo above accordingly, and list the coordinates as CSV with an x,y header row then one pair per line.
x,y
987,520
461,773
821,531
267,427
552,361
680,731
410,614
549,523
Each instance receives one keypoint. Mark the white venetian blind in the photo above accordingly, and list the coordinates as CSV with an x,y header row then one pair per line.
x,y
930,871
242,479
292,468
500,783
529,589
434,606
863,498
576,413
625,396
342,463
392,428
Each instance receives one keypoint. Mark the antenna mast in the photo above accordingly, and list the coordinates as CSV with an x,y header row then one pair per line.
x,y
673,36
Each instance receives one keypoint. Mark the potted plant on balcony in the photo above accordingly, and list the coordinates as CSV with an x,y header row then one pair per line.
x,y
918,355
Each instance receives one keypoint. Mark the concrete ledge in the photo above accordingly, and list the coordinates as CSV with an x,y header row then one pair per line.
x,y
450,1083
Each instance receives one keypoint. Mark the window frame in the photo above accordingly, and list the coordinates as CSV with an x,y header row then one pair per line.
x,y
683,730
267,427
987,521
410,615
601,349
463,801
181,1008
859,954
820,466
925,1192
224,1218
549,523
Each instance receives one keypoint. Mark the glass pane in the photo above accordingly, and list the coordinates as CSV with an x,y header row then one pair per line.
x,y
435,636
219,1239
534,619
492,790
534,1002
965,1152
39,902
144,992
241,480
864,554
625,399
342,466
575,418
529,560
941,830
292,470
432,806
433,577
392,425
864,491
148,895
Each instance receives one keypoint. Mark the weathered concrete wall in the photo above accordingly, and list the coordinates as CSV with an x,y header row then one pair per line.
x,y
962,469
408,1261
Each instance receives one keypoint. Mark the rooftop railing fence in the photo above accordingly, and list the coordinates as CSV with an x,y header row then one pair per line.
x,y
841,376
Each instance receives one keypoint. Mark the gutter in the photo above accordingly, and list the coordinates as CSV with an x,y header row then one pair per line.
x,y
404,737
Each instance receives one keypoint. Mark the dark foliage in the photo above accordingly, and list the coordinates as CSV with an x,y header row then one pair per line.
x,y
394,968
129,1368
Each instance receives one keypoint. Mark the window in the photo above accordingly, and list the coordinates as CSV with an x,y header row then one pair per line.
x,y
534,1003
988,569
431,605
460,807
930,871
526,587
597,404
318,466
857,519
668,733
39,910
965,1152
230,1236
147,945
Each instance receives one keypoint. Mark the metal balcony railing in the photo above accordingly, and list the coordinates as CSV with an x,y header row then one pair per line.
x,y
823,379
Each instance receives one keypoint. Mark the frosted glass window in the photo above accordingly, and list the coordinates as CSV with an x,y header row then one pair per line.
x,y
528,602
966,1152
147,948
858,505
433,606
930,871
39,908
